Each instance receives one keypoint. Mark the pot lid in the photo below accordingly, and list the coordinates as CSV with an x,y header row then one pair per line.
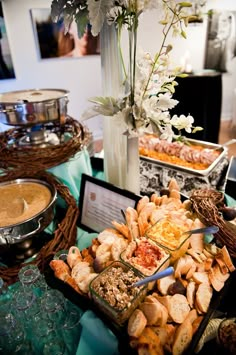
x,y
33,95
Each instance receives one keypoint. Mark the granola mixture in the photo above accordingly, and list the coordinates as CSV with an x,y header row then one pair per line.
x,y
115,287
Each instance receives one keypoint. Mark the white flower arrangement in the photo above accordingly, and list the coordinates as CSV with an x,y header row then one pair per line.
x,y
147,93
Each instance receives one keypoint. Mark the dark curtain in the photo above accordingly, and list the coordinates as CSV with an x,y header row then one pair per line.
x,y
201,97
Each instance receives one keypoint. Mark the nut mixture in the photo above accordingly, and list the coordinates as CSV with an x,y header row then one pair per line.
x,y
114,286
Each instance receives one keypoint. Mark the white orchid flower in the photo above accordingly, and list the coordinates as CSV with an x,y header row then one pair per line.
x,y
153,88
167,133
182,122
154,114
165,102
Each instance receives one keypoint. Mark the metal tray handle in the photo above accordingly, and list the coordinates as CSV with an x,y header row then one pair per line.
x,y
8,239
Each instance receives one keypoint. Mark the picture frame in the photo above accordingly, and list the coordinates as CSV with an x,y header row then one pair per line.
x,y
53,42
220,53
6,64
101,202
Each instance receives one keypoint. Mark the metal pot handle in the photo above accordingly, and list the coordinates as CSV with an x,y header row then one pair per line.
x,y
9,240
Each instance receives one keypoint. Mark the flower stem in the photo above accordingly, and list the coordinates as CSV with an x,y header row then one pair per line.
x,y
135,25
121,53
165,33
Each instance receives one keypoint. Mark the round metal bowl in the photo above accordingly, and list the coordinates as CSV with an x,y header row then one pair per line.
x,y
16,233
30,107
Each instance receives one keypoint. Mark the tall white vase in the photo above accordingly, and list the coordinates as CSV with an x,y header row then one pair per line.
x,y
121,155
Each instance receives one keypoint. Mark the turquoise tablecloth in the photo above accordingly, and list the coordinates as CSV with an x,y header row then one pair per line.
x,y
70,172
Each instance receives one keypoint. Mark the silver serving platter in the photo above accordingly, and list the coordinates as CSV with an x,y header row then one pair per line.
x,y
223,153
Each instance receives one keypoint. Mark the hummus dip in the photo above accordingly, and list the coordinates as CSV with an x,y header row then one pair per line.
x,y
22,201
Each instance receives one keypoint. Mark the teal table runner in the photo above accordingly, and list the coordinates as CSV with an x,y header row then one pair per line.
x,y
70,172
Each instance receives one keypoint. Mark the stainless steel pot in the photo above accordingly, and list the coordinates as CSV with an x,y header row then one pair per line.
x,y
18,233
36,106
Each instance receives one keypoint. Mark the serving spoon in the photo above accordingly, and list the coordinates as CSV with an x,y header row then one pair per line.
x,y
158,275
204,230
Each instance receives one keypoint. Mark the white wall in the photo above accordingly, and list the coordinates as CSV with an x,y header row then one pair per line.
x,y
82,76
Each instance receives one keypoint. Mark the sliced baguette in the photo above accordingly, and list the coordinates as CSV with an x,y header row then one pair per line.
x,y
192,316
178,308
208,264
191,271
151,312
227,259
200,277
217,279
190,293
196,323
149,343
164,283
164,300
219,274
220,261
203,297
183,337
136,324
162,334
170,339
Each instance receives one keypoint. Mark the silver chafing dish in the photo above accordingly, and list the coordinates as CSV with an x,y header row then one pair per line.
x,y
156,174
33,225
35,106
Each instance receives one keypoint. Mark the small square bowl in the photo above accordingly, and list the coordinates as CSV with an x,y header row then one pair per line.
x,y
170,237
113,293
145,256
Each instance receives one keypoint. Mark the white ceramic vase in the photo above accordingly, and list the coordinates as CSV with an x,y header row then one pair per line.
x,y
121,154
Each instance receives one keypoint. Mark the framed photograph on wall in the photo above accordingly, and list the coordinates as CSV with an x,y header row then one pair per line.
x,y
221,41
6,64
53,42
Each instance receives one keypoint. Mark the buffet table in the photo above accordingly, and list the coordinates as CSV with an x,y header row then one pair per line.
x,y
97,335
